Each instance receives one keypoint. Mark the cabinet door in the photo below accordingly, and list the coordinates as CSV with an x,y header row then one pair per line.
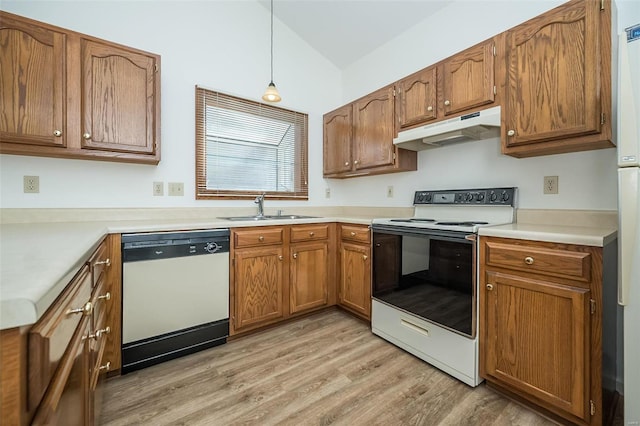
x,y
387,262
355,278
416,98
258,286
537,339
67,399
32,84
309,277
373,118
337,140
469,79
119,99
553,82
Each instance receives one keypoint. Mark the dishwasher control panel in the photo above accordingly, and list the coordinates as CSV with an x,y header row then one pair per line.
x,y
137,247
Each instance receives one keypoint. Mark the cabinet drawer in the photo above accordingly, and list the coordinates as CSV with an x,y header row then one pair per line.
x,y
50,336
258,237
99,262
574,265
355,233
309,233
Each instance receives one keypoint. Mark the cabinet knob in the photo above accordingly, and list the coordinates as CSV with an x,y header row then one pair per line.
x,y
85,310
355,162
353,234
489,287
311,234
346,163
103,331
106,296
57,133
447,102
86,135
365,257
295,255
429,108
105,367
280,257
528,260
261,238
511,132
106,262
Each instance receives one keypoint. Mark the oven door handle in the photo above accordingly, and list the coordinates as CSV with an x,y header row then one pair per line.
x,y
471,237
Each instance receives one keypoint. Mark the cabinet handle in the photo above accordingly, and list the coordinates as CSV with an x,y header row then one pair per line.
x,y
365,257
105,367
378,245
447,102
260,238
311,234
355,162
106,262
97,334
489,287
511,132
280,257
295,255
106,296
528,260
346,163
86,135
353,234
85,310
57,133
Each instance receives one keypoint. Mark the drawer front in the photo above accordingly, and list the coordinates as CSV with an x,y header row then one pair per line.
x,y
355,233
50,336
258,237
99,262
574,265
309,233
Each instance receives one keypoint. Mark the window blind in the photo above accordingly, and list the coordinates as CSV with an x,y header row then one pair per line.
x,y
245,148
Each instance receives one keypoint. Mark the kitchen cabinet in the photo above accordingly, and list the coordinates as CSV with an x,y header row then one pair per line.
x,y
463,82
354,293
358,138
541,325
257,296
58,363
310,267
278,272
70,95
558,81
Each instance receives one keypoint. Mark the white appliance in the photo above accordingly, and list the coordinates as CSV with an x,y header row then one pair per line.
x,y
628,210
478,125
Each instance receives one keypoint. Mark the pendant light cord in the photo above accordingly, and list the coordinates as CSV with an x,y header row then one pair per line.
x,y
271,41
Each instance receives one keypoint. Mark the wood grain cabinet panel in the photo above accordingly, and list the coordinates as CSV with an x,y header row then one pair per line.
x,y
337,135
416,98
469,79
32,85
70,95
354,277
309,276
558,89
258,237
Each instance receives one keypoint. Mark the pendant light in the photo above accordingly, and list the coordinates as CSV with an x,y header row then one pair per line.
x,y
271,94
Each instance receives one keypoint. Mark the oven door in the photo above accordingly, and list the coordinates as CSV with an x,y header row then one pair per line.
x,y
427,273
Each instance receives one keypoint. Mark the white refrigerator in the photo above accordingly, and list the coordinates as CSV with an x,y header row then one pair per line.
x,y
628,210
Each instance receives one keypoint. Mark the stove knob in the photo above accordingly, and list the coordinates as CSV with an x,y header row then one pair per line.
x,y
469,196
493,196
479,196
505,196
428,197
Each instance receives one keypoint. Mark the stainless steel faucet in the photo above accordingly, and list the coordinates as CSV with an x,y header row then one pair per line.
x,y
260,202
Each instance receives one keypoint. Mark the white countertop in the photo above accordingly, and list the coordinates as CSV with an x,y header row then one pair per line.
x,y
582,235
37,260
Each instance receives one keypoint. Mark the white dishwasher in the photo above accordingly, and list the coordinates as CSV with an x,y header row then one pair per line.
x,y
175,295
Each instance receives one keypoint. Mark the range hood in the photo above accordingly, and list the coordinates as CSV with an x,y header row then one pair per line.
x,y
483,124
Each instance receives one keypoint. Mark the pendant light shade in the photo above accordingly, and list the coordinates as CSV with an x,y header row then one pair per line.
x,y
271,94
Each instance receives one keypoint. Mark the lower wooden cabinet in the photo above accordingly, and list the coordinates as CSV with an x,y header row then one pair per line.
x,y
278,272
354,277
541,325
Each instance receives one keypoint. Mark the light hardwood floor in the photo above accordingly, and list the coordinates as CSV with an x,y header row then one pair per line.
x,y
323,369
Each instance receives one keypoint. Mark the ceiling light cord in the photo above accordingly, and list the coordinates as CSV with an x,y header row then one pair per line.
x,y
271,94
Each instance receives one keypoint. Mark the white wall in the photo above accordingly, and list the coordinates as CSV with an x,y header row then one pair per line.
x,y
223,45
587,180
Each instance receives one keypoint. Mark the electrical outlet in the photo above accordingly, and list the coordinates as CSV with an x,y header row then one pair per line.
x,y
550,185
390,191
31,184
176,189
158,188
327,193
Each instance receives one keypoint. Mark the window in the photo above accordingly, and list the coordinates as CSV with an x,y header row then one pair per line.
x,y
245,147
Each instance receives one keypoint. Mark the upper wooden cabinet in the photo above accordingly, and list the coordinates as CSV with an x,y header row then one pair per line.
x,y
68,95
558,81
468,78
416,100
358,138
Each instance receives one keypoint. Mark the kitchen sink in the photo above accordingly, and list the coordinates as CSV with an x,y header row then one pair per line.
x,y
268,217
